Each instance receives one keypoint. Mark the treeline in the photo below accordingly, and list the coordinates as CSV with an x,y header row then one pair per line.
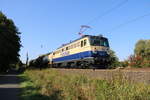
x,y
140,58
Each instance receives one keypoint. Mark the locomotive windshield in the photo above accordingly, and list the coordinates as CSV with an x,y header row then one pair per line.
x,y
99,41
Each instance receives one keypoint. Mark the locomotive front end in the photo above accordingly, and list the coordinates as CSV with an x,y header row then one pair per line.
x,y
99,50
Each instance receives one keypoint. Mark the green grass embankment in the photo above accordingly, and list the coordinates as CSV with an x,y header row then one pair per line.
x,y
52,85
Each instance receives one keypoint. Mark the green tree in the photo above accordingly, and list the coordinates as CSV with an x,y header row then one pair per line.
x,y
147,49
141,57
140,48
113,59
9,43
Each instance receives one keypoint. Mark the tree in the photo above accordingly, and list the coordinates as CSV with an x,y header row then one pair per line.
x,y
140,48
135,61
113,59
147,49
9,43
141,57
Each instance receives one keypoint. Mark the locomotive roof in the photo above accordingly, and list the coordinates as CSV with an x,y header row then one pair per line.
x,y
73,41
77,40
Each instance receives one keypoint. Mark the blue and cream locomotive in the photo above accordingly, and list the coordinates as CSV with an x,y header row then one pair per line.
x,y
86,52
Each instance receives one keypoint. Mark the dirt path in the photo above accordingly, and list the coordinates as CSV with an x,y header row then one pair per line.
x,y
9,87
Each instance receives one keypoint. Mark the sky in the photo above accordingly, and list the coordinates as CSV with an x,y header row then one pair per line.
x,y
47,24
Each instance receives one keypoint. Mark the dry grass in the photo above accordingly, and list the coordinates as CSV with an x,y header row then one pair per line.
x,y
54,85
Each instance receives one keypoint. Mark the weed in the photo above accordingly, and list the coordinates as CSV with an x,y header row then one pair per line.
x,y
50,84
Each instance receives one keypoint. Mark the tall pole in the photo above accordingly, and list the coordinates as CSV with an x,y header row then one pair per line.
x,y
27,60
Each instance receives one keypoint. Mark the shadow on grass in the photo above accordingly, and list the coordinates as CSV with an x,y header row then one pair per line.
x,y
30,92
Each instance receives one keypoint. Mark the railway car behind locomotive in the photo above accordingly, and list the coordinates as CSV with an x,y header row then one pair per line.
x,y
86,52
40,62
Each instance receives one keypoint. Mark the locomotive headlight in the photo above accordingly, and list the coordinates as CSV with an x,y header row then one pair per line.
x,y
95,52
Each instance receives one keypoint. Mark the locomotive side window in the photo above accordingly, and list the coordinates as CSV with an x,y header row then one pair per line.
x,y
71,47
78,44
66,48
81,43
84,42
74,45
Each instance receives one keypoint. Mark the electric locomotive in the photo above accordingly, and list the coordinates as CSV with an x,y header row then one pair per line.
x,y
86,52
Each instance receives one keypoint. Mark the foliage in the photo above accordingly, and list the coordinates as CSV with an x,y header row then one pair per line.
x,y
113,59
19,65
124,63
52,85
141,57
135,61
9,43
140,48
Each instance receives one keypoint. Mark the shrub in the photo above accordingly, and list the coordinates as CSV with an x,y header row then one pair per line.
x,y
138,61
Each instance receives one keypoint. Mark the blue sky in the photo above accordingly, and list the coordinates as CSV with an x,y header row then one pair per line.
x,y
51,23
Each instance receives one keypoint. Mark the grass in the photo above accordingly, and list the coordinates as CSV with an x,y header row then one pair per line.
x,y
50,84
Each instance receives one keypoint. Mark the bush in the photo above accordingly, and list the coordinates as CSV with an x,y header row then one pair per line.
x,y
113,60
124,63
141,57
138,61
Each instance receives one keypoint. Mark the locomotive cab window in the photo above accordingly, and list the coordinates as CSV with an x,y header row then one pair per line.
x,y
98,41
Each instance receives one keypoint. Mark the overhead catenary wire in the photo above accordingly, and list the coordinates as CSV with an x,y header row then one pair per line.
x,y
128,22
106,12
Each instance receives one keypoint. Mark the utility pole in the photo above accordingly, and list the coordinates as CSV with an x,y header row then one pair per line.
x,y
27,59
